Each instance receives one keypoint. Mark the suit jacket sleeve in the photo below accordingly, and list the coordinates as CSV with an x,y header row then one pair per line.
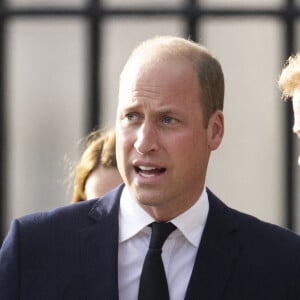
x,y
295,289
9,265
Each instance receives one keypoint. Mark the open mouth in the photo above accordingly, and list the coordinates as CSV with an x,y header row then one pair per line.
x,y
149,171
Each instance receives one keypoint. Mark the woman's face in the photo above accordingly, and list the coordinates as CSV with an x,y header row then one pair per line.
x,y
101,181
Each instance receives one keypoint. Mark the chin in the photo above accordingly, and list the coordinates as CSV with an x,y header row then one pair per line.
x,y
146,198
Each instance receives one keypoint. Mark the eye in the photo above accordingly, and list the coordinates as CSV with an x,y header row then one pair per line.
x,y
168,120
131,116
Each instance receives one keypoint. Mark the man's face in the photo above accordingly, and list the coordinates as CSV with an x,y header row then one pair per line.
x,y
296,108
162,146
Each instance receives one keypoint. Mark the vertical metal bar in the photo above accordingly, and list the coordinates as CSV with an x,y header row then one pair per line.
x,y
99,67
3,124
290,160
192,19
93,67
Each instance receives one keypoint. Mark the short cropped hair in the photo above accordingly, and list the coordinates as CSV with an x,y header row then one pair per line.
x,y
208,69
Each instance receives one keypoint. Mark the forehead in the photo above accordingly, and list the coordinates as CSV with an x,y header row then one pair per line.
x,y
170,76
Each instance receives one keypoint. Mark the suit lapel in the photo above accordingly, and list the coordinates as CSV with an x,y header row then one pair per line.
x,y
99,249
216,255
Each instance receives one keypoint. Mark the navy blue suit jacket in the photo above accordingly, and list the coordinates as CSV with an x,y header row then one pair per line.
x,y
72,253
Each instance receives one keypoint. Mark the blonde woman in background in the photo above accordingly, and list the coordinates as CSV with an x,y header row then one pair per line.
x,y
289,84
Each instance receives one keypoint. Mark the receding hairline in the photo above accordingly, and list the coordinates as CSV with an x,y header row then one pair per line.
x,y
207,68
166,48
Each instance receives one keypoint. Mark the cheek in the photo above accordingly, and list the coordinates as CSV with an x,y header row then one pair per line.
x,y
188,147
195,150
125,141
124,145
196,140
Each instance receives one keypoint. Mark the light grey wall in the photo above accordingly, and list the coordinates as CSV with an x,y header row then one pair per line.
x,y
247,171
46,108
47,98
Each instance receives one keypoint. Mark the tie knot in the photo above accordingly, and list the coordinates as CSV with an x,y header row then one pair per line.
x,y
160,232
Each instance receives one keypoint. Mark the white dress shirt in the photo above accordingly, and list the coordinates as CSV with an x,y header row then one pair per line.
x,y
179,250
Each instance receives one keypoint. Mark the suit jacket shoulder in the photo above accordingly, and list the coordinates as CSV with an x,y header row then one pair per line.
x,y
66,253
244,258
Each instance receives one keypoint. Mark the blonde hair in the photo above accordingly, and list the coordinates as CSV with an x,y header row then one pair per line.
x,y
99,149
289,79
208,69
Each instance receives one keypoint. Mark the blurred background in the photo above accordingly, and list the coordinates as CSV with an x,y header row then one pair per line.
x,y
59,69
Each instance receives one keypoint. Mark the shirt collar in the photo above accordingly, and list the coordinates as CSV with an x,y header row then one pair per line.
x,y
191,223
133,218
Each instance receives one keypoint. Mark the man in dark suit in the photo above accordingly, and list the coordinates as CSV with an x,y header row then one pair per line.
x,y
169,119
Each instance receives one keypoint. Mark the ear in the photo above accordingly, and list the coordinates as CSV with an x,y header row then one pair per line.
x,y
215,130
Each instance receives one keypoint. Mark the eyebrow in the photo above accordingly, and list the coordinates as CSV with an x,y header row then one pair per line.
x,y
169,110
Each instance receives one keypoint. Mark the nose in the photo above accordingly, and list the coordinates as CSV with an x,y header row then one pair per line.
x,y
146,139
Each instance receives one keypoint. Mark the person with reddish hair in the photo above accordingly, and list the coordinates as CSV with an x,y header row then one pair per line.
x,y
96,172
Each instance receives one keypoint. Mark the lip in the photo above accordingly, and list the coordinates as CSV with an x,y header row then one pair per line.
x,y
148,164
148,172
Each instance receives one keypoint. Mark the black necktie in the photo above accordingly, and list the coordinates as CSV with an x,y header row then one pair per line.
x,y
153,282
